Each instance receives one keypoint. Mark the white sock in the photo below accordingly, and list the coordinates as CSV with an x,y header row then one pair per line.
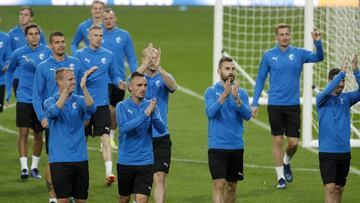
x,y
108,168
112,133
280,172
23,163
52,200
287,159
35,162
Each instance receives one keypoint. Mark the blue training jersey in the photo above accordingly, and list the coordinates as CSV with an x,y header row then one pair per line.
x,y
156,88
334,116
225,129
26,59
284,69
5,53
18,39
81,34
45,84
97,83
67,136
119,42
135,140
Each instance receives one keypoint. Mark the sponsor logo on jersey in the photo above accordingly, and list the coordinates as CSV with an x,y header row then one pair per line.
x,y
27,59
87,60
16,38
1,44
130,111
275,58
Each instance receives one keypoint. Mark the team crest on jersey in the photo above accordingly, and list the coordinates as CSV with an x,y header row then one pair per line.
x,y
42,56
71,66
1,44
118,40
103,60
157,83
291,57
74,105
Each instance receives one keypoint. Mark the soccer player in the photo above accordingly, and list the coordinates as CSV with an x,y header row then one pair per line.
x,y
226,106
26,59
136,117
18,38
160,85
284,65
119,42
333,107
95,55
4,55
68,155
97,9
45,86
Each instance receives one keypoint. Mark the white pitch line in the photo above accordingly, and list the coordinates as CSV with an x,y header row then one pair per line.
x,y
257,122
14,133
10,106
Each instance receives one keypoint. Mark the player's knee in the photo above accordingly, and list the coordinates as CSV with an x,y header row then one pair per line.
x,y
159,178
141,198
329,189
219,185
231,187
338,189
124,199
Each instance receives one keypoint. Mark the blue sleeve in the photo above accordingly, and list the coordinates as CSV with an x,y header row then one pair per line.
x,y
324,95
126,124
38,94
212,105
131,55
244,109
114,73
354,96
43,39
51,110
314,57
10,74
76,40
157,121
260,80
79,74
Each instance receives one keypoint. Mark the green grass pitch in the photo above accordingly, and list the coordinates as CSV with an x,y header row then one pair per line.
x,y
186,42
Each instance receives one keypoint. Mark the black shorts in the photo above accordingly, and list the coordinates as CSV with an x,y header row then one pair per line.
x,y
226,164
15,85
70,179
116,95
2,97
26,117
162,153
47,140
334,167
100,122
135,179
285,120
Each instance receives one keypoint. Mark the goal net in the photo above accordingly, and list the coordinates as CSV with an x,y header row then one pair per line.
x,y
248,29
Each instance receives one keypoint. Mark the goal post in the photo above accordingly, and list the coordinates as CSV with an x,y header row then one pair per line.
x,y
243,30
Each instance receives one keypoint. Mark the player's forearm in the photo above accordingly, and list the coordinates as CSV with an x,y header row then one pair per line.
x,y
169,81
61,101
129,125
319,50
88,99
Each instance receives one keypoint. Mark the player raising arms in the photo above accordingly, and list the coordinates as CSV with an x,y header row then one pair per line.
x,y
283,64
